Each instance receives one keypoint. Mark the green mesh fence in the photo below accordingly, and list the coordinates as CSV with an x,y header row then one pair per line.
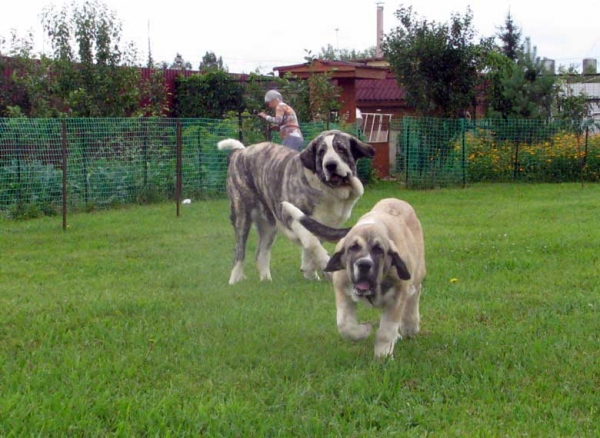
x,y
111,162
444,152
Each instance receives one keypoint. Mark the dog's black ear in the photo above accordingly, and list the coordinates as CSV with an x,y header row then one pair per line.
x,y
400,266
308,157
360,149
335,262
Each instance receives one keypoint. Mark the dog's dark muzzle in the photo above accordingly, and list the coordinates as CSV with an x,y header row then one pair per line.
x,y
364,281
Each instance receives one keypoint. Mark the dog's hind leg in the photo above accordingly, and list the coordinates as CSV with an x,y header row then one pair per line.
x,y
267,233
241,224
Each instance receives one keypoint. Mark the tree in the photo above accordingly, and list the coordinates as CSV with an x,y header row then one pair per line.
x,y
323,97
331,54
95,76
17,70
572,107
180,64
510,36
209,95
521,89
438,64
154,96
210,61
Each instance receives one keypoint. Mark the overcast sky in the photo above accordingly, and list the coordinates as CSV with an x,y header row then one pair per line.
x,y
260,34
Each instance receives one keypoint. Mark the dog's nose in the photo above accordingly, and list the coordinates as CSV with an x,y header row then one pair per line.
x,y
331,166
364,265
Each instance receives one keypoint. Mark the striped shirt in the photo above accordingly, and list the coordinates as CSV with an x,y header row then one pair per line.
x,y
285,118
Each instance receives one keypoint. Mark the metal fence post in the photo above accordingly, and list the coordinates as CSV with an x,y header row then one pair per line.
x,y
178,168
64,174
583,157
464,163
19,164
145,151
407,150
516,163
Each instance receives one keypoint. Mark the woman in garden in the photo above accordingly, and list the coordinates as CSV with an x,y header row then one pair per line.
x,y
285,118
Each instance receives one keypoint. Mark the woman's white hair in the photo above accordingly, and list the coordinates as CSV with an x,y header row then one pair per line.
x,y
273,95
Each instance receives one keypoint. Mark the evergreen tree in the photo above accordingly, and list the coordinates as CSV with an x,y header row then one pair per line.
x,y
510,35
521,89
211,62
180,64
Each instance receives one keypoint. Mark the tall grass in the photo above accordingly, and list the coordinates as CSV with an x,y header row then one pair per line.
x,y
125,325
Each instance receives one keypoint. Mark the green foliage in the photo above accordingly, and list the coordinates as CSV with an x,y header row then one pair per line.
x,y
495,150
323,97
510,36
207,95
331,54
180,64
564,156
27,85
438,64
154,96
570,107
94,77
210,62
522,89
517,84
255,87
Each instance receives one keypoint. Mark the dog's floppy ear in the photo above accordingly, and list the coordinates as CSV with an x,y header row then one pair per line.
x,y
335,263
398,263
308,157
361,149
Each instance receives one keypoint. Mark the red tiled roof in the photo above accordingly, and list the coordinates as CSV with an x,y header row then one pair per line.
x,y
378,90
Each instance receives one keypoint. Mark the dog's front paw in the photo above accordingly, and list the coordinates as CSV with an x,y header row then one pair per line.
x,y
384,350
385,341
355,332
410,328
311,275
409,331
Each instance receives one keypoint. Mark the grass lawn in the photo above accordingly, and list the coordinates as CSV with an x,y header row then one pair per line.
x,y
125,325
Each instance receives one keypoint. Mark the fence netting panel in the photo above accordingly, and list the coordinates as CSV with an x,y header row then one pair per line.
x,y
30,165
435,152
118,161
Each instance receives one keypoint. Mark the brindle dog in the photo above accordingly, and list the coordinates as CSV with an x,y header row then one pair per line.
x,y
321,180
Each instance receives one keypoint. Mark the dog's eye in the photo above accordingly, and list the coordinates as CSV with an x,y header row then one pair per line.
x,y
377,250
341,150
354,247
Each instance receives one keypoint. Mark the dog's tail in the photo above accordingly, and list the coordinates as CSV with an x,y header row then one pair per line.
x,y
230,144
320,230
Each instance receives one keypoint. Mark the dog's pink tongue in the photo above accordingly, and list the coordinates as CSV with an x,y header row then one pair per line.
x,y
362,286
